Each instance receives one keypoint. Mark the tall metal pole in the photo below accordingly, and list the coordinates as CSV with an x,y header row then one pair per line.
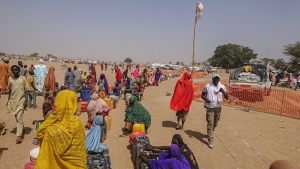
x,y
268,52
194,39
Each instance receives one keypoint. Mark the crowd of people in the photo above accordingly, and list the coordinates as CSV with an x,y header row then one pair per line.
x,y
63,141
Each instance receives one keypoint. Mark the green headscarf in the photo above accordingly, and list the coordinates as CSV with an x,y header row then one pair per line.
x,y
137,113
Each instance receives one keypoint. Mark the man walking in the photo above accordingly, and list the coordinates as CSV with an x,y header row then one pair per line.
x,y
17,98
32,89
212,95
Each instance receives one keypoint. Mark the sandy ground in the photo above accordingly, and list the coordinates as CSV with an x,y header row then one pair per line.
x,y
242,140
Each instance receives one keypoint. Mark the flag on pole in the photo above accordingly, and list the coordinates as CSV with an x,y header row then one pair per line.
x,y
199,9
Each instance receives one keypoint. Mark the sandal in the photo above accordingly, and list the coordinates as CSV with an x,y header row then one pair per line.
x,y
177,127
19,140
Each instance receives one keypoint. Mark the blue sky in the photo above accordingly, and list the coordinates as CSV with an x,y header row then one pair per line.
x,y
154,31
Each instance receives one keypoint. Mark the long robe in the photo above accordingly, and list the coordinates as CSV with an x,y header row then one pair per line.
x,y
183,94
5,72
62,136
77,79
157,76
135,72
50,79
69,80
40,72
119,76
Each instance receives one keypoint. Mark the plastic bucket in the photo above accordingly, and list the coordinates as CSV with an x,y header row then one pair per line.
x,y
34,153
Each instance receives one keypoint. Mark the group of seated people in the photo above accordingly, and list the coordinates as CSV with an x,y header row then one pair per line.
x,y
64,127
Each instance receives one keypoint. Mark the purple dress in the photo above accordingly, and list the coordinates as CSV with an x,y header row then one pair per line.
x,y
105,82
171,160
157,76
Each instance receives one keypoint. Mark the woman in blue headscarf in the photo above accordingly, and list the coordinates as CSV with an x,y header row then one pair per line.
x,y
171,160
93,139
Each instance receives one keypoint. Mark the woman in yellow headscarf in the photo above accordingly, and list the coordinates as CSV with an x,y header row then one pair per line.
x,y
62,136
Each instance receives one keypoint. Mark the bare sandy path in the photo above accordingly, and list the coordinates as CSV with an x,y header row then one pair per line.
x,y
272,137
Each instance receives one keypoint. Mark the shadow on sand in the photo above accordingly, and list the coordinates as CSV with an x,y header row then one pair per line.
x,y
171,124
195,134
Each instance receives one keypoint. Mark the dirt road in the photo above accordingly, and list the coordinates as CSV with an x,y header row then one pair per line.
x,y
243,140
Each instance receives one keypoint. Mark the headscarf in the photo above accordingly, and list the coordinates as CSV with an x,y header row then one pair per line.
x,y
105,82
137,113
119,75
185,151
96,105
93,137
69,76
171,160
183,94
62,136
41,61
50,79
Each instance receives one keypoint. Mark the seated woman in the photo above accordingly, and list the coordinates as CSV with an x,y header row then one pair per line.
x,y
65,128
47,111
136,113
184,149
96,106
85,94
171,160
93,141
116,92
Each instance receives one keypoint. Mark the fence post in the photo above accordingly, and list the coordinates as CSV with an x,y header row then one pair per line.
x,y
282,102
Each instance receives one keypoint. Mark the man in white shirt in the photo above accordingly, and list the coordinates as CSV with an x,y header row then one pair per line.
x,y
212,95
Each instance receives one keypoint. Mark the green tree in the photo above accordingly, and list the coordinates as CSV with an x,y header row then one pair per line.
x,y
231,56
177,63
2,54
34,54
170,63
267,60
205,63
280,65
256,61
128,60
293,52
49,55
